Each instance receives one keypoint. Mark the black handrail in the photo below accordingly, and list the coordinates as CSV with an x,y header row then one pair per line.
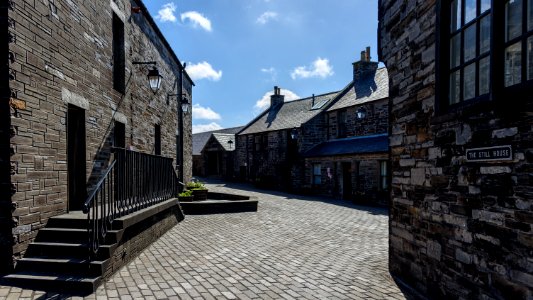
x,y
132,182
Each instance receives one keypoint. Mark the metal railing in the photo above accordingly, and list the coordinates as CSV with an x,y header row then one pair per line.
x,y
132,182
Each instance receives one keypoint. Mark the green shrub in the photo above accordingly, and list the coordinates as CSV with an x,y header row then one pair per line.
x,y
186,193
196,185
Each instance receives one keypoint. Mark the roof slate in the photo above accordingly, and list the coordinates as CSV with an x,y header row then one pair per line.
x,y
356,145
367,89
223,139
288,115
200,139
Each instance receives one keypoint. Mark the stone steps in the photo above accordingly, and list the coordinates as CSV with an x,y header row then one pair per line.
x,y
58,259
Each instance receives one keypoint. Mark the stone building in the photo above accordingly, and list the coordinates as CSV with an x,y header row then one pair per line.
x,y
213,153
74,83
352,162
461,146
270,147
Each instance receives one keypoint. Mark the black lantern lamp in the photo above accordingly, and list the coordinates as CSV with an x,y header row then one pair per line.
x,y
294,133
361,113
154,78
185,105
230,143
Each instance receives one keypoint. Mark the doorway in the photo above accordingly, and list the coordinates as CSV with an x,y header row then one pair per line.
x,y
347,181
76,158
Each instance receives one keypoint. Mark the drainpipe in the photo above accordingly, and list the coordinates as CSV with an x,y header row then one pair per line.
x,y
180,130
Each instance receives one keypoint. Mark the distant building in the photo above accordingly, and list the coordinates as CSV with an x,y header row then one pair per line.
x,y
213,153
352,163
270,147
319,144
461,83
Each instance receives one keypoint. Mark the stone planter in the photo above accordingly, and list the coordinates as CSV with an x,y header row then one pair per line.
x,y
186,198
199,195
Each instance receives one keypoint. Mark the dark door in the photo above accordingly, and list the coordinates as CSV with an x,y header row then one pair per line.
x,y
347,181
76,164
212,163
120,135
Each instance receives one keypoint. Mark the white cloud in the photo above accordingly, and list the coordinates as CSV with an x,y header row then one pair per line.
x,y
197,19
319,68
205,127
272,71
204,113
266,17
203,70
166,13
264,102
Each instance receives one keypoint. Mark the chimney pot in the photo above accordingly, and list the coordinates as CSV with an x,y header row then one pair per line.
x,y
367,54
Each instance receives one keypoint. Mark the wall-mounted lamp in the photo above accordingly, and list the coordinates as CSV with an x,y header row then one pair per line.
x,y
294,133
361,113
185,105
230,143
154,78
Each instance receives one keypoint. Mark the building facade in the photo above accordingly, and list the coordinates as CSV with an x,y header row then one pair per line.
x,y
352,162
461,146
213,153
76,85
334,144
270,148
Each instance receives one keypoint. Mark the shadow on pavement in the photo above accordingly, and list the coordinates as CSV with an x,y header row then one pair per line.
x,y
250,188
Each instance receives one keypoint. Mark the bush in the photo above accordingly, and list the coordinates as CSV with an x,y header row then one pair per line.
x,y
196,185
186,193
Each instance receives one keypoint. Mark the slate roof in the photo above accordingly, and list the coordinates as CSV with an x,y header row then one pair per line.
x,y
288,115
366,89
356,145
223,139
200,139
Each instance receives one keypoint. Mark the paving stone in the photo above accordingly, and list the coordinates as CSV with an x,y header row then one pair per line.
x,y
294,247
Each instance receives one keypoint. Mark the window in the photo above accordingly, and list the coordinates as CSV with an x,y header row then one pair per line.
x,y
383,175
317,173
518,42
157,141
120,135
469,40
486,49
341,124
257,143
119,57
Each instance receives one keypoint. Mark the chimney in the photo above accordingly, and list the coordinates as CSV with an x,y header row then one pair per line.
x,y
364,67
313,104
277,98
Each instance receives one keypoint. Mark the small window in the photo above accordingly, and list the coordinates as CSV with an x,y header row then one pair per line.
x,y
119,56
341,124
257,143
383,175
317,174
157,141
319,104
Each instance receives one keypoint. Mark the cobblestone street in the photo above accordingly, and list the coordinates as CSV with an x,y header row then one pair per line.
x,y
294,247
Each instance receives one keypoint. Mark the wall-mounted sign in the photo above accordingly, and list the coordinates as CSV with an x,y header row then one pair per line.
x,y
497,153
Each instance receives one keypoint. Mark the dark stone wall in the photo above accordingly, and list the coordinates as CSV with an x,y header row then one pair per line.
x,y
458,229
6,189
376,121
62,55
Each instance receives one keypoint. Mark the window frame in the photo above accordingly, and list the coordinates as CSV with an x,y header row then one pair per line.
x,y
498,93
119,54
315,176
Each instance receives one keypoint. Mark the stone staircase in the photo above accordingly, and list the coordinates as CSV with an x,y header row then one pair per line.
x,y
58,258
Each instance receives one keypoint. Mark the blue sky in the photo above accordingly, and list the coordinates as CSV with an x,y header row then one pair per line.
x,y
238,50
